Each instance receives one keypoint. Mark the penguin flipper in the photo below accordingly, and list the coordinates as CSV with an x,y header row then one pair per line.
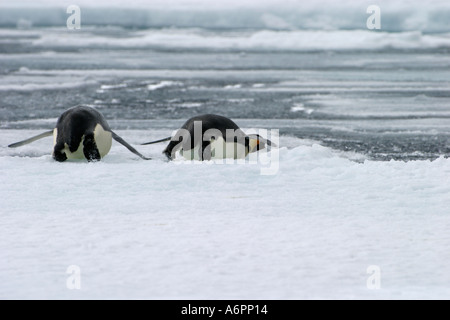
x,y
128,146
32,139
156,141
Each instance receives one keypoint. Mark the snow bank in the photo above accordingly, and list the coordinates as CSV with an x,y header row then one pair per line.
x,y
153,229
292,40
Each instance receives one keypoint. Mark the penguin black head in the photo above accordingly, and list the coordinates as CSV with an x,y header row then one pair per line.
x,y
253,143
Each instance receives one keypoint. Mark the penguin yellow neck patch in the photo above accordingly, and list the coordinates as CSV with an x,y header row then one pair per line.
x,y
253,145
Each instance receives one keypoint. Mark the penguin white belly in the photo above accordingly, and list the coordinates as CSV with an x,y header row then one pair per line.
x,y
78,154
55,134
191,154
103,140
220,149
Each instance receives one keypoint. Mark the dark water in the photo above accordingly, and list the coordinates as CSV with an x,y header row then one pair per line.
x,y
385,103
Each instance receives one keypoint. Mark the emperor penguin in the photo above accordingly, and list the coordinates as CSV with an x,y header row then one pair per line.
x,y
81,132
211,136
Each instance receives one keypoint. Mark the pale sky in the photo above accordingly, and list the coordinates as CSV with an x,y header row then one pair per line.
x,y
221,4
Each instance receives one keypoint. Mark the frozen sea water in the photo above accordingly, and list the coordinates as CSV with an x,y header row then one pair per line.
x,y
140,229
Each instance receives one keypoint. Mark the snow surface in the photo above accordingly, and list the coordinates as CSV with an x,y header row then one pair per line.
x,y
160,230
259,40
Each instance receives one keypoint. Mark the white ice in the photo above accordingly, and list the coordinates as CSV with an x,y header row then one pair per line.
x,y
160,230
